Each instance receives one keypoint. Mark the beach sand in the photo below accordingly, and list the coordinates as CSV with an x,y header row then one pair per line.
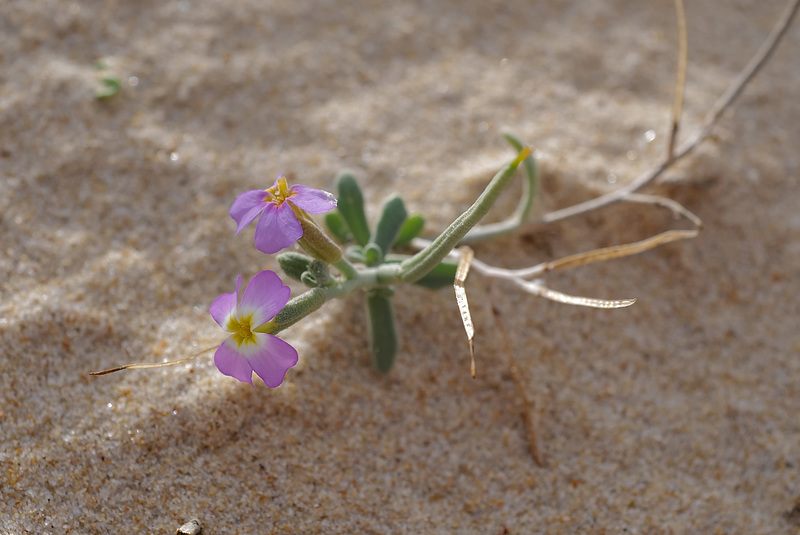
x,y
677,415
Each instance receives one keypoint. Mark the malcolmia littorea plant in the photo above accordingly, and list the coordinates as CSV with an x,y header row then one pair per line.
x,y
350,255
368,263
283,214
375,260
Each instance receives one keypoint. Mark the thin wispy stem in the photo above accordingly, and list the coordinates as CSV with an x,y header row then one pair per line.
x,y
685,148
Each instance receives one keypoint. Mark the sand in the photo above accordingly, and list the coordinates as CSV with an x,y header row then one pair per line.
x,y
677,415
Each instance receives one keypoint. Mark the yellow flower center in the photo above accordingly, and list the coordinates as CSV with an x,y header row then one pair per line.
x,y
242,329
279,192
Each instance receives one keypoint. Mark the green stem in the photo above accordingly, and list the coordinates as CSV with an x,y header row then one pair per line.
x,y
346,268
304,304
513,222
421,263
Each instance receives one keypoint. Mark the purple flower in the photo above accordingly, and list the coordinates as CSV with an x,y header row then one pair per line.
x,y
246,351
278,227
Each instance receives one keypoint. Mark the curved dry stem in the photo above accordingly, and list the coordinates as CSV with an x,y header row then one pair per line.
x,y
537,288
149,365
467,256
677,209
582,259
528,406
617,251
680,78
727,98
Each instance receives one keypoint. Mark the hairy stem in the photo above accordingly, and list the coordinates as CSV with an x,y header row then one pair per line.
x,y
421,263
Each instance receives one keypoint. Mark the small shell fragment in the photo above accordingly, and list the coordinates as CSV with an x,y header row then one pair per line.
x,y
192,527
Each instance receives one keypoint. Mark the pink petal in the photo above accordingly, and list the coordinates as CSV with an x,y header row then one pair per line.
x,y
272,363
264,297
231,362
225,304
277,229
312,200
247,207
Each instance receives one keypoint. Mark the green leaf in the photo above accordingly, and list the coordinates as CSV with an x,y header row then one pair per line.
x,y
442,275
393,215
321,273
111,86
337,226
373,255
411,228
354,253
309,280
351,207
294,264
382,330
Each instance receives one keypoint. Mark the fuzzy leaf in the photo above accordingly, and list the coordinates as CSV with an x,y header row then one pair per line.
x,y
393,215
337,226
382,330
410,230
351,207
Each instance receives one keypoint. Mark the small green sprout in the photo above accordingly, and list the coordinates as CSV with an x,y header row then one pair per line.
x,y
111,85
